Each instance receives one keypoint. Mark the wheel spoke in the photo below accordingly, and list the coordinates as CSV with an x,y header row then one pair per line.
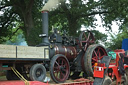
x,y
62,75
84,36
94,59
102,57
99,54
57,63
62,63
88,37
56,68
95,54
56,73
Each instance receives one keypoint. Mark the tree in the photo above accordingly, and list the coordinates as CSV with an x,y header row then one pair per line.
x,y
23,11
69,16
77,12
116,39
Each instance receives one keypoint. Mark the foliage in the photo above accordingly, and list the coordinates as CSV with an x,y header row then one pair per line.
x,y
77,12
116,39
99,37
17,36
69,16
26,12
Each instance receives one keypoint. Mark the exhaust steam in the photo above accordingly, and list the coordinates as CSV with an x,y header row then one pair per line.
x,y
52,5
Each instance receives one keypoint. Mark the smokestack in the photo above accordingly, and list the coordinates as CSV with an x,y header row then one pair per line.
x,y
45,40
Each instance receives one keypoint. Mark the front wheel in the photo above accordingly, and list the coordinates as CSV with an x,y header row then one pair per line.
x,y
59,68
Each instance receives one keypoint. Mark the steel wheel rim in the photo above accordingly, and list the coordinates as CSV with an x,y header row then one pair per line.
x,y
61,69
97,55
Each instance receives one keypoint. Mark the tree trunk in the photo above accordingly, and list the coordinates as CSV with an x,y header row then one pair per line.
x,y
29,26
29,23
72,26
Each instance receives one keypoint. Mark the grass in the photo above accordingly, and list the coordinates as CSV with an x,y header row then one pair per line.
x,y
2,78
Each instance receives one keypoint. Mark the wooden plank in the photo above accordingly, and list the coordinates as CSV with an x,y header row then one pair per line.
x,y
7,51
30,52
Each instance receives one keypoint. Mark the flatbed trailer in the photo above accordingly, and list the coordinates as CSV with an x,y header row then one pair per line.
x,y
22,58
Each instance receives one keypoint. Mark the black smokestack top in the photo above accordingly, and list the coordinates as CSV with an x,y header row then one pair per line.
x,y
45,40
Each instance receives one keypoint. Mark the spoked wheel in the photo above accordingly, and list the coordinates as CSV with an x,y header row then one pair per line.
x,y
93,55
59,68
86,38
37,72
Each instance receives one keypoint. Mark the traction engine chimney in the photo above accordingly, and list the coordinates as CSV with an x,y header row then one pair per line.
x,y
44,36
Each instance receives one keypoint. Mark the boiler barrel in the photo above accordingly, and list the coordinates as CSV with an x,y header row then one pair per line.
x,y
69,52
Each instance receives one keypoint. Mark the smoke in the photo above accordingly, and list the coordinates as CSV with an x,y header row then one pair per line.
x,y
19,40
52,5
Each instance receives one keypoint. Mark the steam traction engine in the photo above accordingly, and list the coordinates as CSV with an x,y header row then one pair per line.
x,y
61,55
70,55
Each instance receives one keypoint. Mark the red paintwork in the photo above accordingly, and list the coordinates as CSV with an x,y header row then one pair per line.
x,y
41,83
22,83
114,67
99,74
79,83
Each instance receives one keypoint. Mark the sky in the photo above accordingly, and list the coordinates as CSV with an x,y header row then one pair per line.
x,y
101,29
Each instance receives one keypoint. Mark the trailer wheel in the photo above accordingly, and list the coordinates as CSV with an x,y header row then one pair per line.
x,y
10,75
59,68
93,54
107,81
37,72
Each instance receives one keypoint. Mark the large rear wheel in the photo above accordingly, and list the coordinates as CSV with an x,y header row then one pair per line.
x,y
93,55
